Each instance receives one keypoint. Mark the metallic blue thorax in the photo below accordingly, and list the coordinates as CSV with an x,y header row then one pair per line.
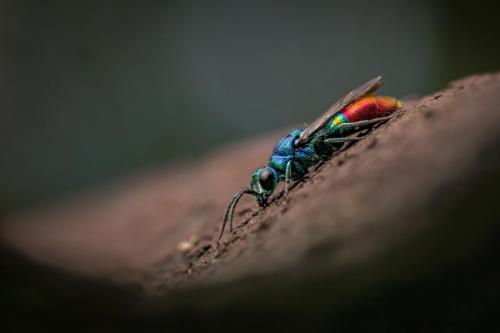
x,y
284,152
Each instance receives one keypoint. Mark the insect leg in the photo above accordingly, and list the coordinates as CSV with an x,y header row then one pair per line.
x,y
288,176
340,140
364,123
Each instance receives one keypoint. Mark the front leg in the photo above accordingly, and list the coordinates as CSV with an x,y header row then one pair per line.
x,y
288,176
294,171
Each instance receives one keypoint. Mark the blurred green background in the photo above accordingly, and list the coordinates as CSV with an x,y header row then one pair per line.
x,y
93,91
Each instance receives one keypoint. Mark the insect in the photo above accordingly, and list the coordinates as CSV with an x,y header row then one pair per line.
x,y
304,148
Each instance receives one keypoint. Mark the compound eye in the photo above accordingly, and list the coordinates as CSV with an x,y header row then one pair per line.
x,y
266,179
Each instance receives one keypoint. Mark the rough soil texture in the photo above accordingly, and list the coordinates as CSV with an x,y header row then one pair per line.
x,y
398,206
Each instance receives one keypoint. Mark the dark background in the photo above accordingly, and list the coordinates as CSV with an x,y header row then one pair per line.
x,y
93,91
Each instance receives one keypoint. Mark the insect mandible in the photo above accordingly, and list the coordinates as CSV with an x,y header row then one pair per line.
x,y
304,148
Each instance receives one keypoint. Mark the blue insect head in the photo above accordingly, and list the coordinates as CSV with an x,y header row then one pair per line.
x,y
263,183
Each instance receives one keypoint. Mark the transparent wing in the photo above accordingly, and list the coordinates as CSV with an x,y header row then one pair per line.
x,y
364,89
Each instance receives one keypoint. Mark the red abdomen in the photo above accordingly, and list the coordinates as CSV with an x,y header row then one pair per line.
x,y
371,107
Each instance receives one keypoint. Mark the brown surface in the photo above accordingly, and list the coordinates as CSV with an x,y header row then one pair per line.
x,y
357,206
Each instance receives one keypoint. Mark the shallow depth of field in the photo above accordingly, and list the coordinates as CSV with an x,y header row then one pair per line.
x,y
126,128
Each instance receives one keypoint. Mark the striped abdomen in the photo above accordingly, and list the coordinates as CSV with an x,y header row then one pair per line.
x,y
365,108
